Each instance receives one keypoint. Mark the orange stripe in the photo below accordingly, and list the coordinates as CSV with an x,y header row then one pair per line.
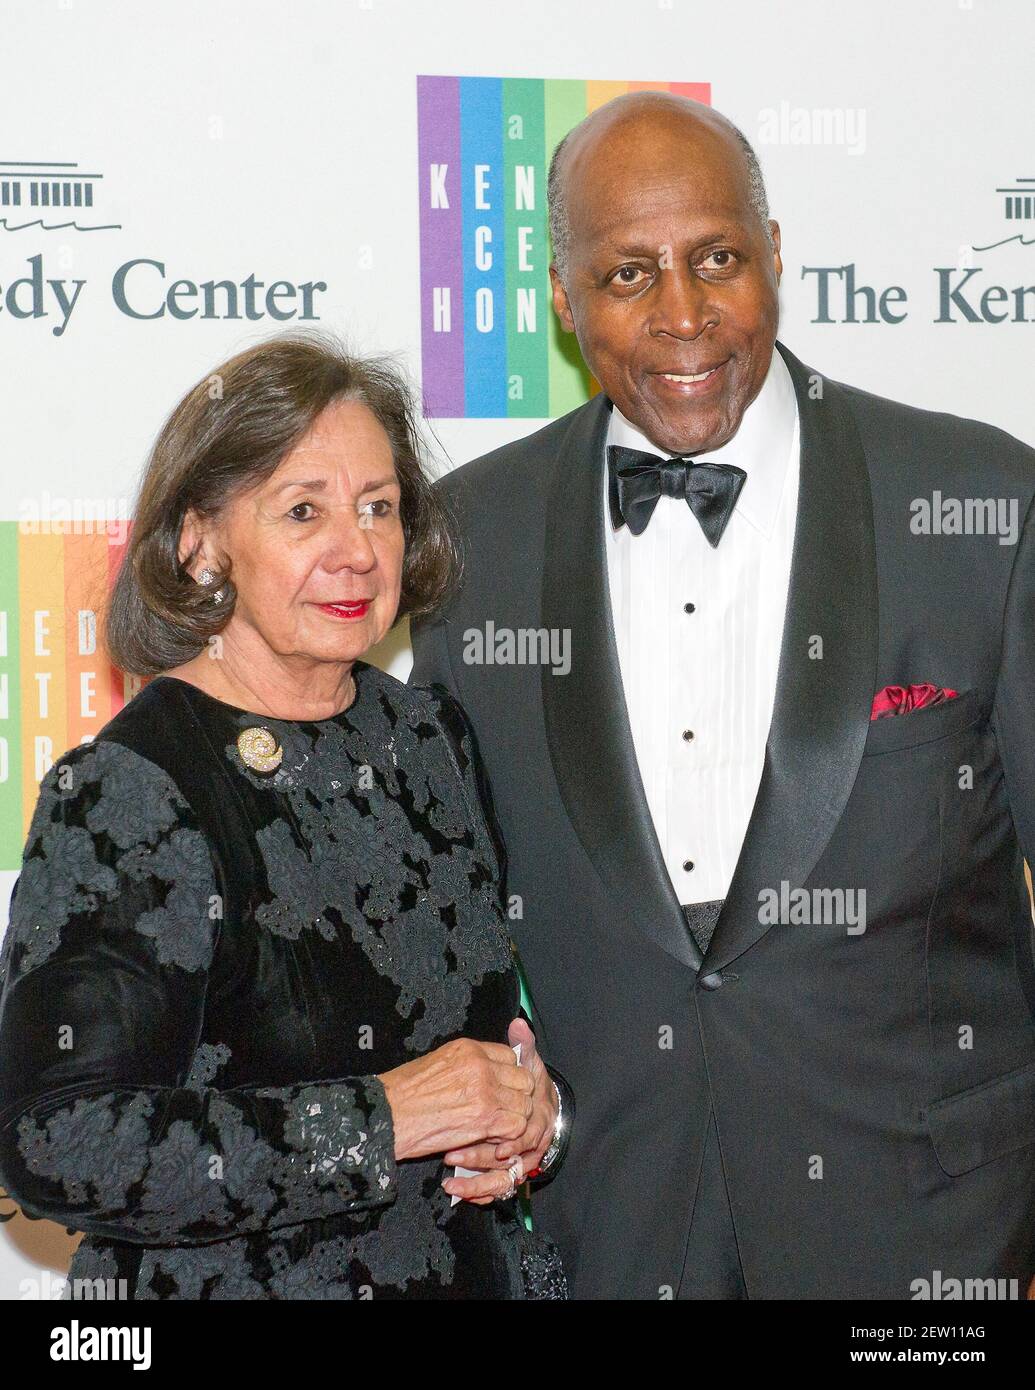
x,y
697,91
117,682
86,591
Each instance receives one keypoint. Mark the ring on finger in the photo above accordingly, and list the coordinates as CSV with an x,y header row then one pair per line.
x,y
516,1171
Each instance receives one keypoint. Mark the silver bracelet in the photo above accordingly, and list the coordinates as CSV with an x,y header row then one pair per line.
x,y
554,1147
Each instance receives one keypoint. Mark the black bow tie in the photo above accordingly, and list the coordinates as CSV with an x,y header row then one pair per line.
x,y
637,480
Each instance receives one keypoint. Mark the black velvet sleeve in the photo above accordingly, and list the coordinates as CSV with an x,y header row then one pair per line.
x,y
106,1121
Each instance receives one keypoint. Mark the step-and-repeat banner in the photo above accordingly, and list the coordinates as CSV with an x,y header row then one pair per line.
x,y
180,179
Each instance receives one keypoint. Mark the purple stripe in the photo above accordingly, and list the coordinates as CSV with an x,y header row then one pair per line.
x,y
441,256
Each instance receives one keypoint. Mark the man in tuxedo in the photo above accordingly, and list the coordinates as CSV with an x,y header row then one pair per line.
x,y
758,727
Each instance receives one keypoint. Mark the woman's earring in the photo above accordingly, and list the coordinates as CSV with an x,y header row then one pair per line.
x,y
206,577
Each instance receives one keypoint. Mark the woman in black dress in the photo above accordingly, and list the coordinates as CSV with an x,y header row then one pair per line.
x,y
258,993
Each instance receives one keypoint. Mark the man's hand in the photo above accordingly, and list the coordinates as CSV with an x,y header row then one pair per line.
x,y
493,1157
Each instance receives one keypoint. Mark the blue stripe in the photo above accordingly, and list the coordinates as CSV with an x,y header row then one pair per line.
x,y
485,352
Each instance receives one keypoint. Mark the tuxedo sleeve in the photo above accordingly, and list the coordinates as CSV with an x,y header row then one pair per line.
x,y
1013,714
431,663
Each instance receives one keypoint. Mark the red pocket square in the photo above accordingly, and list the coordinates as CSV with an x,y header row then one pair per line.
x,y
903,699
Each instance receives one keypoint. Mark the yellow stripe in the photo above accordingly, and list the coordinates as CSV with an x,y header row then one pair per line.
x,y
41,573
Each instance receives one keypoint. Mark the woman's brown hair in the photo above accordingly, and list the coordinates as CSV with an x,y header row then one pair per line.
x,y
227,435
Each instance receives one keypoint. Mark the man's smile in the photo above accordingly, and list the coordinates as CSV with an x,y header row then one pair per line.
x,y
691,383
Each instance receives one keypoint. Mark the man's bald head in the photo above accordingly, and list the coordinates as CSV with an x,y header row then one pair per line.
x,y
665,112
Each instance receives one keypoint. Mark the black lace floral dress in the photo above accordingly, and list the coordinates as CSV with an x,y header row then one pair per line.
x,y
206,966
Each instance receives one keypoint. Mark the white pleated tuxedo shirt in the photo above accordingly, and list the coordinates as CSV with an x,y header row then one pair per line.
x,y
700,682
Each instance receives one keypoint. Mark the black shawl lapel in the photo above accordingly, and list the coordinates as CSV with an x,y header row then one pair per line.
x,y
587,725
822,706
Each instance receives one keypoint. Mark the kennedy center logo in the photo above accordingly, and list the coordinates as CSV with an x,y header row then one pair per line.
x,y
490,343
59,559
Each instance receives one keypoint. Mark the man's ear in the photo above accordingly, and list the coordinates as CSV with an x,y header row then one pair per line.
x,y
774,228
560,302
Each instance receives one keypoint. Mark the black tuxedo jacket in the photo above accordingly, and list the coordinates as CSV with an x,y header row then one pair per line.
x,y
874,1091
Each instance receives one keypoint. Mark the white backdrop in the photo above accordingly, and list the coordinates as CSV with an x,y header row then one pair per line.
x,y
280,140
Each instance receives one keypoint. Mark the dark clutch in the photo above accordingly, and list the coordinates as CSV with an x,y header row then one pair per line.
x,y
541,1267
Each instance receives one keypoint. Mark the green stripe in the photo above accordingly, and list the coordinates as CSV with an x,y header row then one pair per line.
x,y
526,1004
527,352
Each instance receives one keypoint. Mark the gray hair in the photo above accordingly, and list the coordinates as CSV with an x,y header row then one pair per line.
x,y
557,201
